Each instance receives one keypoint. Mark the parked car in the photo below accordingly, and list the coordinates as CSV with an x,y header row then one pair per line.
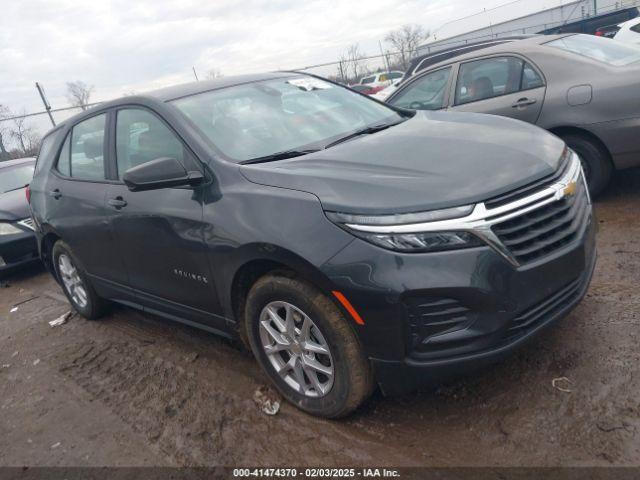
x,y
383,79
17,241
383,94
629,32
608,32
349,243
366,89
581,87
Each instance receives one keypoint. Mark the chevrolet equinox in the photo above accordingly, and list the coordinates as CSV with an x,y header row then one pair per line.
x,y
349,243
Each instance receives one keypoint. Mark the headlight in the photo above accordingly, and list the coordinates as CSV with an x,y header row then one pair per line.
x,y
8,229
414,242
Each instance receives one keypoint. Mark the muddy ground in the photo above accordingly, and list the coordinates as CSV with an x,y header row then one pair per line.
x,y
133,389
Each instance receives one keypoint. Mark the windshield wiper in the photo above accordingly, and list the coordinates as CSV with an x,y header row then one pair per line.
x,y
364,131
280,156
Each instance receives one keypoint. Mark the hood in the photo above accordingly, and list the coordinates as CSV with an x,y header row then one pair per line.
x,y
433,160
14,206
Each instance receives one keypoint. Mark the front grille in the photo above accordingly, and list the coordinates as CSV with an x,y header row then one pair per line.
x,y
430,317
544,310
546,229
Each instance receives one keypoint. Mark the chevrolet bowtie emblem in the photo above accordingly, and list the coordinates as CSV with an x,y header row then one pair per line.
x,y
570,189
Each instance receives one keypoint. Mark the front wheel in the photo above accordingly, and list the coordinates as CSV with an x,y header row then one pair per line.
x,y
75,283
596,162
305,345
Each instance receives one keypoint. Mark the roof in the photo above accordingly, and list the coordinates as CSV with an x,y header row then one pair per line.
x,y
504,45
17,161
186,89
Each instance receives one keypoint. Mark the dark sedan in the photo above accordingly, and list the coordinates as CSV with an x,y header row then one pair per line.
x,y
17,240
581,87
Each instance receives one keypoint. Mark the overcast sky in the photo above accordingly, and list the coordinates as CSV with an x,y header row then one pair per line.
x,y
121,46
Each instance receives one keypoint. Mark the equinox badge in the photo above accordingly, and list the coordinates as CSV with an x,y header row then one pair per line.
x,y
191,276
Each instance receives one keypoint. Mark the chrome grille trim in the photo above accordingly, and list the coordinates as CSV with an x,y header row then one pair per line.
x,y
481,219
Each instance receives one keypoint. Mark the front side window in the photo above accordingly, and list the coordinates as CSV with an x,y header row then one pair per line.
x,y
598,48
394,75
426,93
15,177
259,119
488,78
368,80
141,137
82,154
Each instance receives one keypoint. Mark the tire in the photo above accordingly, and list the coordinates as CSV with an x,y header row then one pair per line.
x,y
89,305
352,378
595,161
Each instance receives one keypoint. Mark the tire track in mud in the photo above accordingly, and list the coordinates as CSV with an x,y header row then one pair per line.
x,y
202,413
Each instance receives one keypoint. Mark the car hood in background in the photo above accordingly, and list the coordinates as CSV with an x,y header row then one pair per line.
x,y
433,160
13,206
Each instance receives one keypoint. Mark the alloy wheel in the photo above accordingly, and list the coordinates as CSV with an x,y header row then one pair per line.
x,y
296,349
71,280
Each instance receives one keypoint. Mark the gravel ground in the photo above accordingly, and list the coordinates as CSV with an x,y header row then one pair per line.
x,y
133,389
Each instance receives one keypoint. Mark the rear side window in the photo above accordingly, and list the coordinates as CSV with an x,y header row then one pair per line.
x,y
141,137
368,80
82,154
597,48
45,153
488,78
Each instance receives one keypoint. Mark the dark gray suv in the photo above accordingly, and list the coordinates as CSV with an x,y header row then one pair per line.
x,y
348,243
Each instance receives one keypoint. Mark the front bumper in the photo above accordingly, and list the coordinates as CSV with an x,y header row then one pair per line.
x,y
482,306
17,250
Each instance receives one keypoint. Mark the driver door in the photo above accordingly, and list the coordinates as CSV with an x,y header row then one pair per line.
x,y
160,232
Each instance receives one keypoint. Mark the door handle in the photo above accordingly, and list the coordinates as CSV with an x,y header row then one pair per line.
x,y
55,193
117,203
523,102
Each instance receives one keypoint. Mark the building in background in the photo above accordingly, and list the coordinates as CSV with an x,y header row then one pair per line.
x,y
578,16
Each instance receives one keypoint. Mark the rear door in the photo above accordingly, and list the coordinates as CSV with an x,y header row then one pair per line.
x,y
504,85
75,193
160,232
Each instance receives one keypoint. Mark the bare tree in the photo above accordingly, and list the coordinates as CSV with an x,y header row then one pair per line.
x,y
25,136
343,65
4,131
214,73
356,61
79,93
405,41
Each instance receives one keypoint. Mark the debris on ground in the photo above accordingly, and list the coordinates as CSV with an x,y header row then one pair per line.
x,y
55,445
36,362
6,365
14,354
61,320
267,400
192,357
562,384
14,309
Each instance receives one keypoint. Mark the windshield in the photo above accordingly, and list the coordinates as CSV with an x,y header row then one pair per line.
x,y
259,119
599,48
12,178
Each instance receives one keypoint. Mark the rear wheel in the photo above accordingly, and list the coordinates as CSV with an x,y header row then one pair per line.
x,y
75,283
596,161
306,347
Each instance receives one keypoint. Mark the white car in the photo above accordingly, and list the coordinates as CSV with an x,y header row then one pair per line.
x,y
382,79
629,32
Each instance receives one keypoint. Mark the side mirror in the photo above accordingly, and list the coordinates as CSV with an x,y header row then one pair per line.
x,y
160,173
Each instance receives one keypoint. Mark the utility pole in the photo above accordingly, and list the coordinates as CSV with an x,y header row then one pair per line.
x,y
47,106
195,74
384,57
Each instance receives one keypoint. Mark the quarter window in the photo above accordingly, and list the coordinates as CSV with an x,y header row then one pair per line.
x,y
82,154
141,137
426,93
